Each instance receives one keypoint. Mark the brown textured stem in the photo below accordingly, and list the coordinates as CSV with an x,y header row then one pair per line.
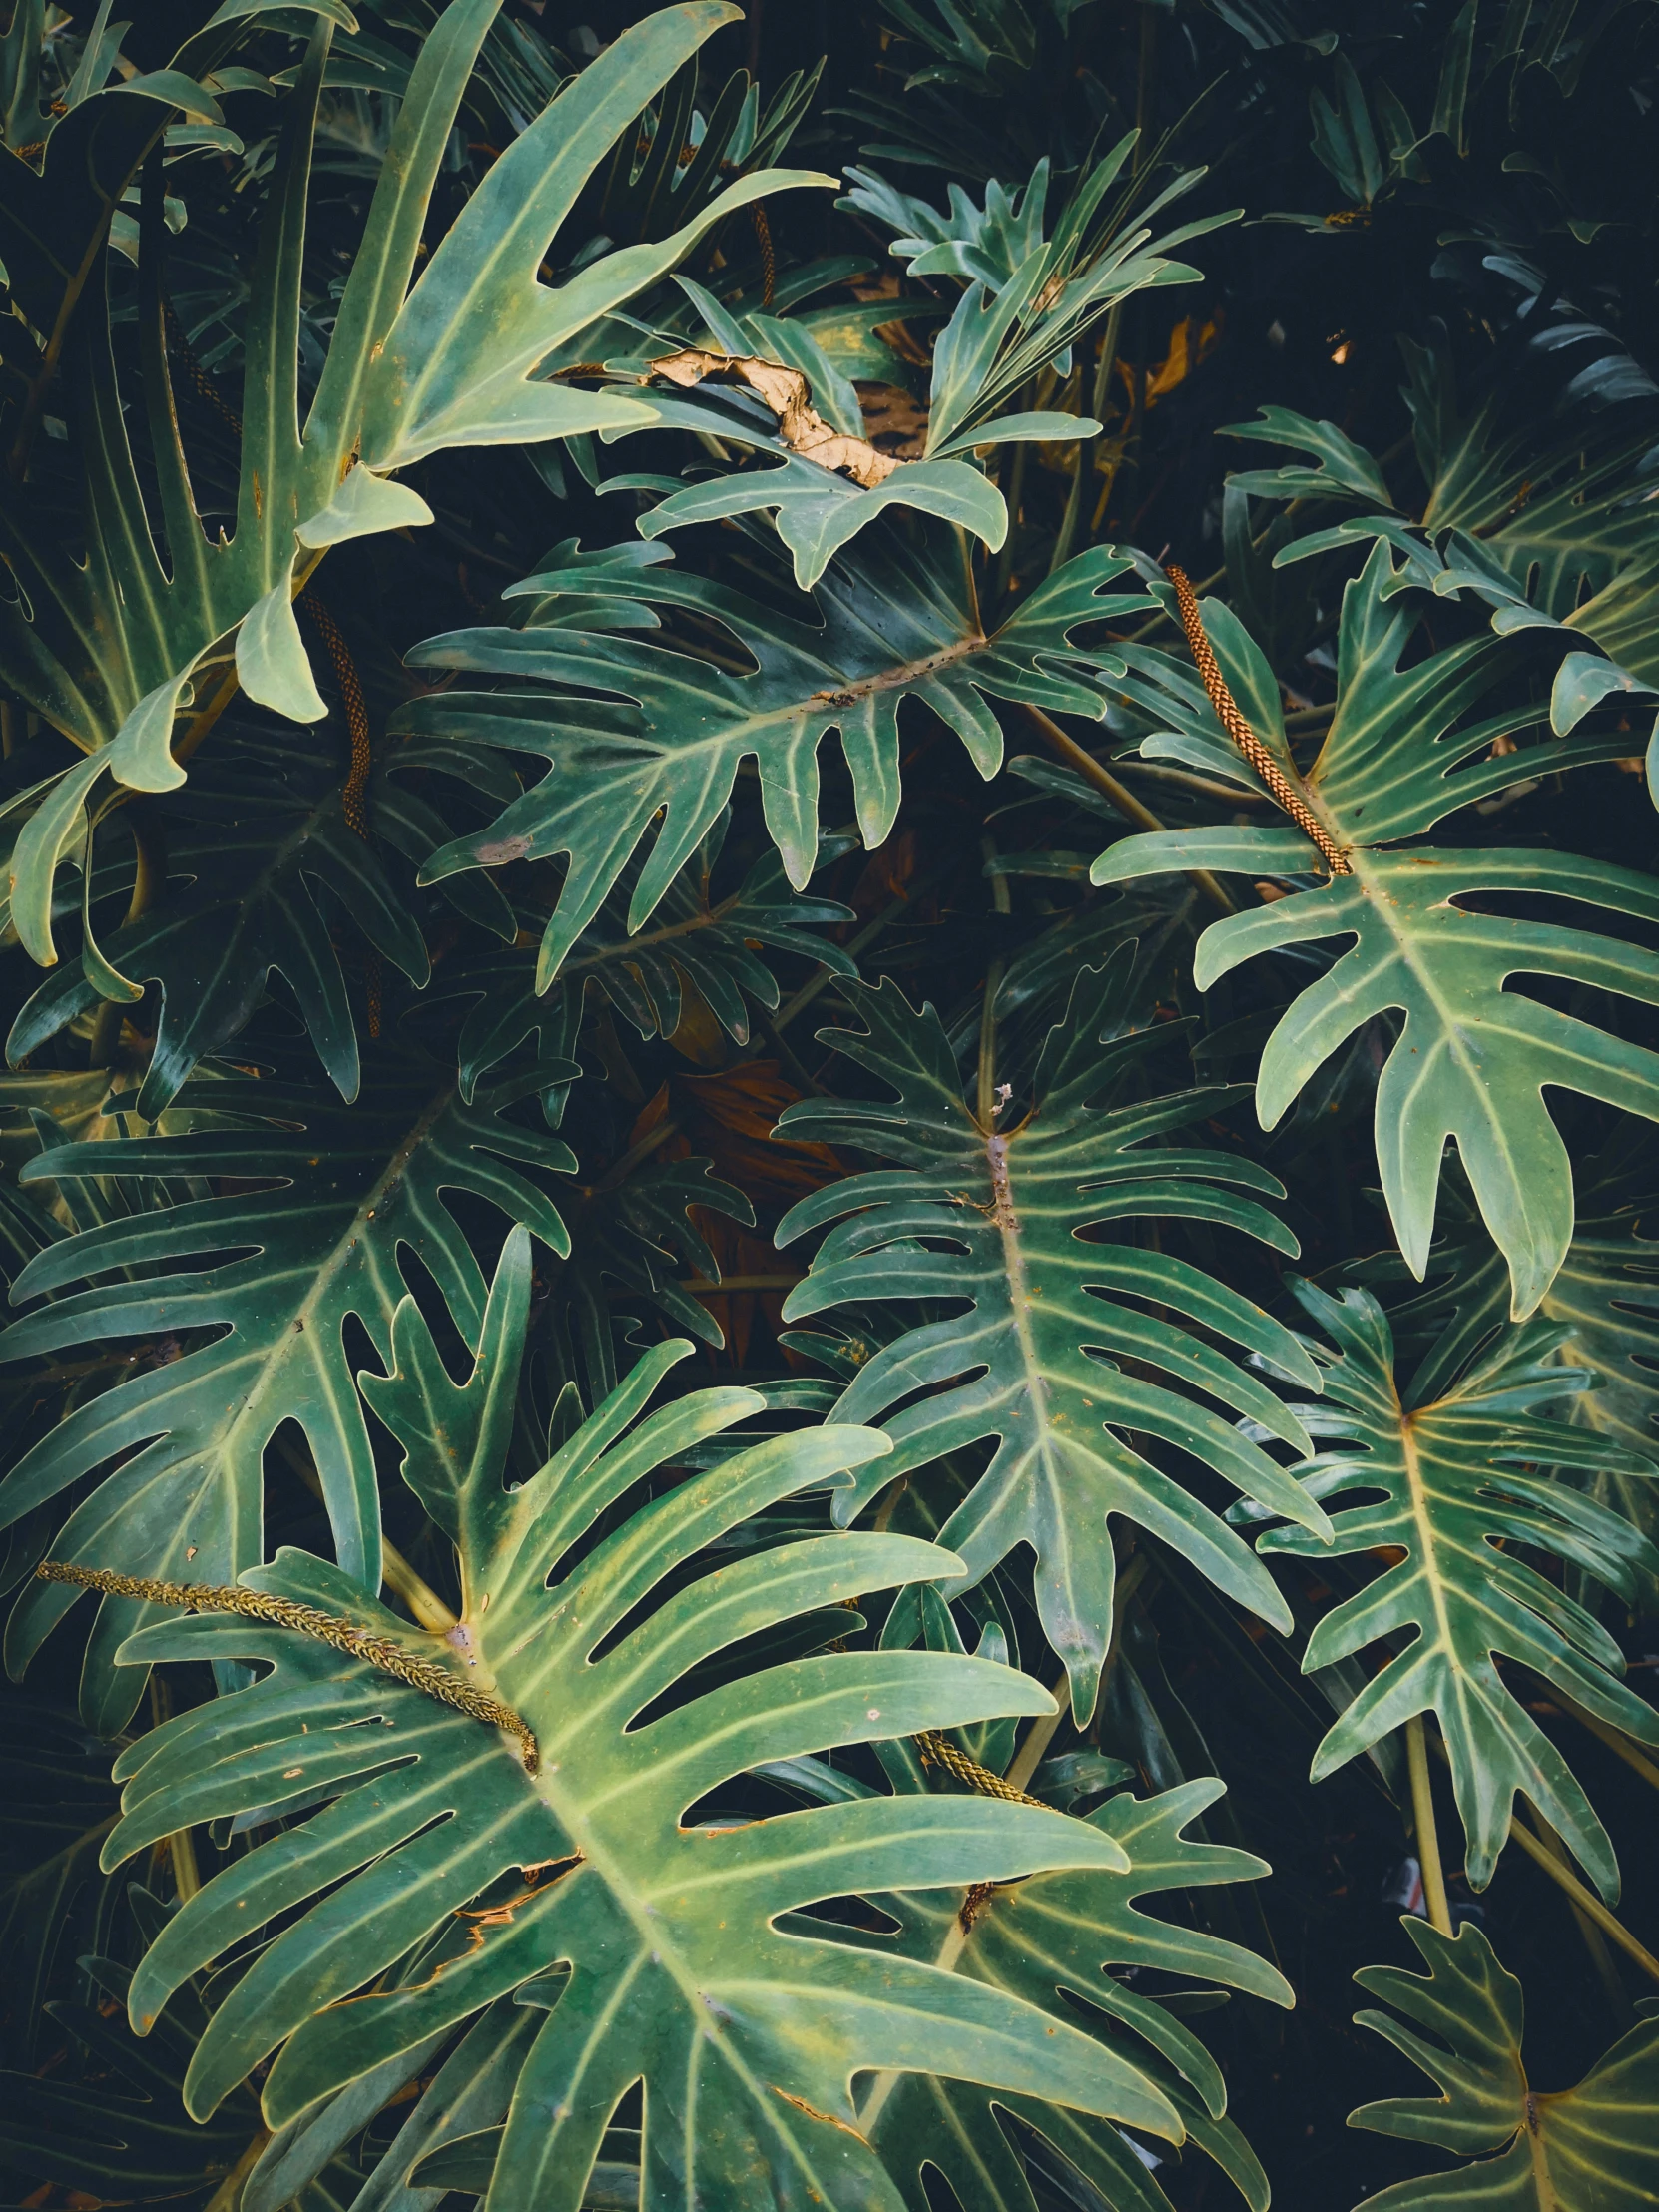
x,y
938,1750
1289,794
379,1652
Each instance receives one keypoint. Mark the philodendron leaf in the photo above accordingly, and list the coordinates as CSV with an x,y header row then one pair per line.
x,y
896,622
1606,1299
1472,1059
322,1199
1054,1938
101,637
664,1952
1007,325
1453,1486
1591,2148
257,835
996,1217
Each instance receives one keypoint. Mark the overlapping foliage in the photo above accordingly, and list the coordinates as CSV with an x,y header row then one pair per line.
x,y
665,1054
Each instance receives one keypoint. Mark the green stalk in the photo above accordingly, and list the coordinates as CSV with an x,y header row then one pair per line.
x,y
1423,1822
1082,475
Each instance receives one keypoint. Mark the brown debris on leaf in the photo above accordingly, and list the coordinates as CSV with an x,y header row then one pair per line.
x,y
787,392
894,422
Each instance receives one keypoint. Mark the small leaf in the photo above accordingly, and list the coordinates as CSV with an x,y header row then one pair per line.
x,y
272,660
364,504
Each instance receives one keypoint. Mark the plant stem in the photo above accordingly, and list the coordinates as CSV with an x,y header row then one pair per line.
x,y
228,2195
417,1593
149,875
1422,1824
1083,470
186,1878
396,1574
1586,1899
986,1103
1124,799
1594,1942
1612,1738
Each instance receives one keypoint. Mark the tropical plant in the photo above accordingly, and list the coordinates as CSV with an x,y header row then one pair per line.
x,y
830,1318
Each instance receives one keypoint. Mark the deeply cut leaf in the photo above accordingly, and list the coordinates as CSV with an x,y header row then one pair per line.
x,y
894,624
345,1190
1591,2148
1472,1059
654,1945
1034,1362
1459,1493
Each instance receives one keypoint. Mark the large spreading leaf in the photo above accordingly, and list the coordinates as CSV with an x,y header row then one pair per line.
x,y
1472,1059
1047,1942
1591,2148
894,623
1058,1936
653,1945
276,1270
997,1218
103,639
1452,1486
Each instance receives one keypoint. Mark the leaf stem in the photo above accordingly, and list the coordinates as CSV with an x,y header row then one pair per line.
x,y
229,2193
1122,798
1083,470
1002,904
1612,1738
1594,1942
1422,1825
150,873
1585,1899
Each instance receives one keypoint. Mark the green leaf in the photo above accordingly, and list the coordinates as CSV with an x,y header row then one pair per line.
x,y
892,624
1605,1302
99,639
1456,1495
818,512
672,1967
1035,1362
1471,1059
1001,334
1343,468
340,1193
62,1806
1559,507
1591,2148
126,2129
1057,1938
258,836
